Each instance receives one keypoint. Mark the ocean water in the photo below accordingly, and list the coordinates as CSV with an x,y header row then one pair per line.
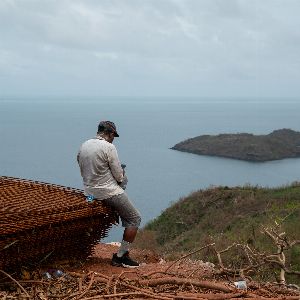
x,y
40,139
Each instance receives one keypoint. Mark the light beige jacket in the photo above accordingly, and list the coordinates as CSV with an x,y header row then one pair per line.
x,y
100,168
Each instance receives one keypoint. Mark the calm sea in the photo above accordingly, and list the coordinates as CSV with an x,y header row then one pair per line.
x,y
40,140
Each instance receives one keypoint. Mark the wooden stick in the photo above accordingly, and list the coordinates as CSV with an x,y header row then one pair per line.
x,y
159,272
109,283
172,280
79,293
14,280
154,296
80,284
29,281
181,258
208,296
88,288
149,295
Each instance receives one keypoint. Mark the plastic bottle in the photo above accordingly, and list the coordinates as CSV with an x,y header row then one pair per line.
x,y
90,198
58,273
47,275
241,285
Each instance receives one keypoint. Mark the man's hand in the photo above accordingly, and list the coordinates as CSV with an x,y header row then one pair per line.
x,y
123,184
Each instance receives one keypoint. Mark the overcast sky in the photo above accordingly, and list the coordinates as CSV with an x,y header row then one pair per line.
x,y
215,48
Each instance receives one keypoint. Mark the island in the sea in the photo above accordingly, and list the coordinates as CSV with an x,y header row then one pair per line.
x,y
282,143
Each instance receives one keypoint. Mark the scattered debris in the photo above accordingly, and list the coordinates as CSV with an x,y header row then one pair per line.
x,y
241,285
97,279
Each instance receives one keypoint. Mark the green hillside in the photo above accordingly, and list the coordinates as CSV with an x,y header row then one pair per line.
x,y
225,215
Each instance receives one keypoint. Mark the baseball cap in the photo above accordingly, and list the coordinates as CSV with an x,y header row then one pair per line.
x,y
108,125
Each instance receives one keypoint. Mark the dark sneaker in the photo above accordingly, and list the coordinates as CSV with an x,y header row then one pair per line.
x,y
124,261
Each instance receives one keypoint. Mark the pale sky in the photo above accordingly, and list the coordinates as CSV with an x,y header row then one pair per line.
x,y
135,48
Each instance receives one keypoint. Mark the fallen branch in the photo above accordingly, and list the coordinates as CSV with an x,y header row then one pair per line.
x,y
108,284
88,288
28,282
208,296
159,272
80,293
128,294
179,281
149,293
18,284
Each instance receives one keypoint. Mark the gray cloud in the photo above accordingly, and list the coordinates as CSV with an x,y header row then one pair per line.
x,y
134,48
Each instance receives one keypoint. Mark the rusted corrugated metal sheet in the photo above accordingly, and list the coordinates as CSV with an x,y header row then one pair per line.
x,y
39,220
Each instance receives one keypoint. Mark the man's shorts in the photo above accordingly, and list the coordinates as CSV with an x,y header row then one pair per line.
x,y
129,215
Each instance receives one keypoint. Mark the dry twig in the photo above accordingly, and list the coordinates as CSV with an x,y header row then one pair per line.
x,y
189,254
18,284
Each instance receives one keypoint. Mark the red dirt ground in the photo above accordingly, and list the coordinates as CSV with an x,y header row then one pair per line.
x,y
95,278
152,263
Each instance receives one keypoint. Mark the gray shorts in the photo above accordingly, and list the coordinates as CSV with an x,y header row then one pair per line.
x,y
129,215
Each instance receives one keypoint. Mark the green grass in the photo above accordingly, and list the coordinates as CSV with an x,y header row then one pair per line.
x,y
225,215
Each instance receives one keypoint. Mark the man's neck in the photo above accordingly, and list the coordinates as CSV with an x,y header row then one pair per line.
x,y
102,136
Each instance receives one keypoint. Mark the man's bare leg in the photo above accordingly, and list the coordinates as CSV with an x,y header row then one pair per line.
x,y
128,237
130,234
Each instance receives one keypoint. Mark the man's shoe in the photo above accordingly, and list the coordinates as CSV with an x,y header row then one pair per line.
x,y
124,261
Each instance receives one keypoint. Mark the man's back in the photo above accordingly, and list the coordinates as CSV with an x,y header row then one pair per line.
x,y
100,168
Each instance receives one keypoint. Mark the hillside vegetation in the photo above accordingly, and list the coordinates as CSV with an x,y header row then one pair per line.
x,y
225,215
